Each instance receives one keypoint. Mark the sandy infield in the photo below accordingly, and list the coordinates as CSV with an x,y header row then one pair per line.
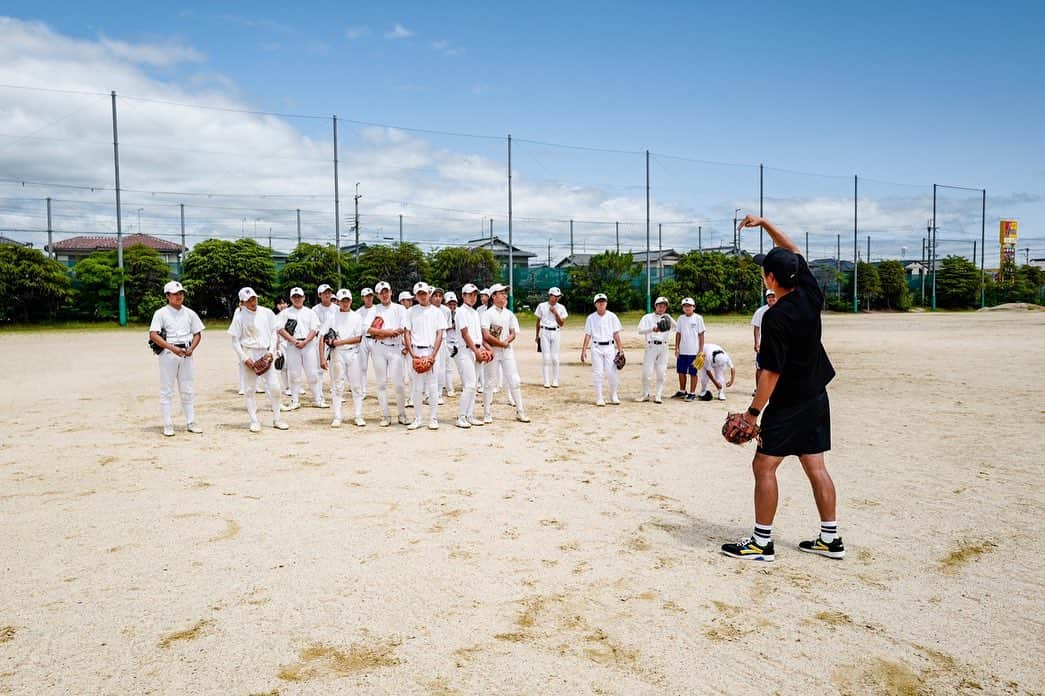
x,y
574,554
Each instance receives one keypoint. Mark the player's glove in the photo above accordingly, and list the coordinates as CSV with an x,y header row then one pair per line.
x,y
422,364
664,324
330,337
280,362
619,360
262,364
698,362
156,346
738,429
290,326
377,323
484,356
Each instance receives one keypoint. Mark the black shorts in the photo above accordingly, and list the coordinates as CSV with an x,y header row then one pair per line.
x,y
803,428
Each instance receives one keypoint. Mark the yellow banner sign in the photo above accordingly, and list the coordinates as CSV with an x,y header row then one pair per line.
x,y
1008,232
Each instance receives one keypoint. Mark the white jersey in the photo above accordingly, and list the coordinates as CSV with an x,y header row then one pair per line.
x,y
545,314
500,323
306,318
346,325
690,328
756,320
180,324
393,316
467,318
649,322
713,351
367,314
254,330
602,328
424,325
324,313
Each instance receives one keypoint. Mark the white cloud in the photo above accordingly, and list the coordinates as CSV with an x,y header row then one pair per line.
x,y
357,32
399,32
159,55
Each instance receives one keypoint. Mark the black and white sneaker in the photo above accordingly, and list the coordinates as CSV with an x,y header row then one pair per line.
x,y
749,550
679,395
834,549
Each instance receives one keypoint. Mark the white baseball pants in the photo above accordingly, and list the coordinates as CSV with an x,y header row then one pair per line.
x,y
366,346
344,369
603,369
304,360
502,365
175,369
465,361
425,383
654,368
720,376
389,365
250,380
550,354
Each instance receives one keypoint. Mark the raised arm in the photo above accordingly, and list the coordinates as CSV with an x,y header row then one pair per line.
x,y
779,238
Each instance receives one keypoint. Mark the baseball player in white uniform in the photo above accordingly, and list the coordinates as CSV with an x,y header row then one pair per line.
x,y
325,309
716,360
253,333
442,360
602,331
470,341
655,360
481,307
302,351
551,315
425,329
183,330
238,371
500,329
689,343
407,300
366,313
281,349
386,350
342,356
756,321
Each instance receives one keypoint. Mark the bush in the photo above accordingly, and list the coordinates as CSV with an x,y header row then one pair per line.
x,y
32,286
215,270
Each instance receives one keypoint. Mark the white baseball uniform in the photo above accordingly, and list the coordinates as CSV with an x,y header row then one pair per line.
x,y
655,360
550,339
717,360
500,323
479,311
305,359
443,364
367,315
253,335
242,381
180,327
756,321
466,320
344,360
603,350
387,354
425,326
323,314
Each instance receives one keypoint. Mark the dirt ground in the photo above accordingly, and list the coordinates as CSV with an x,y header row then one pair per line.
x,y
574,554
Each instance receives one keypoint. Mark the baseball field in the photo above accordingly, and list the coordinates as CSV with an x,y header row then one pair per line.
x,y
574,554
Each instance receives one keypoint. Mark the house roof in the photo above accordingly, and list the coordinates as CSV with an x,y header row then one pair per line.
x,y
499,247
8,240
575,260
104,242
654,254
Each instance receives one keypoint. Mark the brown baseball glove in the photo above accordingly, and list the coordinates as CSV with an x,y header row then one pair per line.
x,y
377,323
485,356
738,430
262,364
619,360
422,364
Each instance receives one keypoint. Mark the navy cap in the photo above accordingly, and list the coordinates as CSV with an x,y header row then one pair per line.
x,y
783,264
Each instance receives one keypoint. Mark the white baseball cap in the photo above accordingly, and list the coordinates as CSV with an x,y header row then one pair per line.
x,y
450,296
421,286
245,294
497,287
770,292
484,291
661,300
343,294
469,287
297,291
365,291
323,288
601,296
688,301
405,295
172,287
382,286
555,291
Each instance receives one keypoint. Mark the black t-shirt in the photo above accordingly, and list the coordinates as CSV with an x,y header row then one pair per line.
x,y
791,344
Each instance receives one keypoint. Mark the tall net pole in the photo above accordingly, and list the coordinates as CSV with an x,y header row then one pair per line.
x,y
119,220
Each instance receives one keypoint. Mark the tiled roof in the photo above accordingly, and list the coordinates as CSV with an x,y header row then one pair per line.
x,y
103,242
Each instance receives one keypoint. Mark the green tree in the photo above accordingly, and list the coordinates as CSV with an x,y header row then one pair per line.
x,y
401,266
98,286
216,269
893,279
868,284
705,276
98,278
957,283
310,265
452,267
671,289
32,286
1021,284
611,273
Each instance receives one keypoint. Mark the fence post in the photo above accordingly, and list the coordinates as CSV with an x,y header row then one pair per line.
x,y
856,255
119,221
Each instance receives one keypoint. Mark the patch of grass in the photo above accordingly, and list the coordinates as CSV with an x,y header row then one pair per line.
x,y
966,552
7,633
319,660
188,634
72,326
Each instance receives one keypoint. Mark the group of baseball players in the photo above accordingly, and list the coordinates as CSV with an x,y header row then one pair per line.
x,y
418,340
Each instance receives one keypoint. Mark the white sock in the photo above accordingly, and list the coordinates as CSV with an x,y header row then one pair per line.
x,y
763,533
829,531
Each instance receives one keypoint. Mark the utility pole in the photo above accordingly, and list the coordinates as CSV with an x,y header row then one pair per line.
x,y
549,253
356,225
299,228
119,222
932,248
491,228
922,270
660,253
700,241
571,239
511,258
868,248
181,254
856,255
649,305
736,235
616,226
50,241
807,246
761,232
983,243
270,244
400,229
337,212
838,265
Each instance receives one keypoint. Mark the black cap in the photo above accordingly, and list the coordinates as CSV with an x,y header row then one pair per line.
x,y
783,264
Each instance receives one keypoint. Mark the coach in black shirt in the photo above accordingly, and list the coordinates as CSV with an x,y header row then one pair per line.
x,y
791,396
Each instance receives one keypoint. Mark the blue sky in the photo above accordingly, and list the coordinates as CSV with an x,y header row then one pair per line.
x,y
944,92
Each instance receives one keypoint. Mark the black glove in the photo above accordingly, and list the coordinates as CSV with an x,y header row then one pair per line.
x,y
156,346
